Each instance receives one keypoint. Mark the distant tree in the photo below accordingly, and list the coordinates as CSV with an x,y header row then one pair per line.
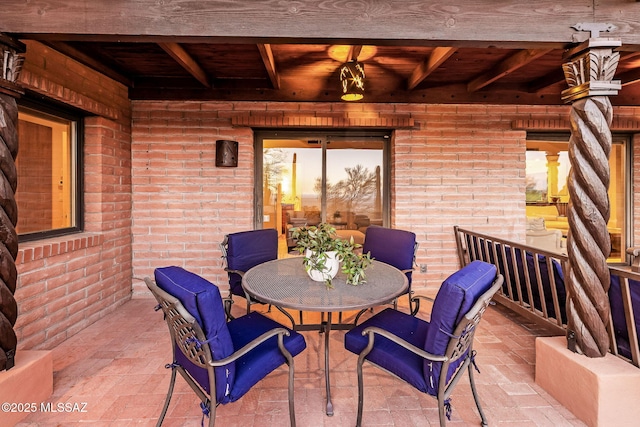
x,y
532,193
358,188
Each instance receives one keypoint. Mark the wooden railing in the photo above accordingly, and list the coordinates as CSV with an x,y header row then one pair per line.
x,y
534,287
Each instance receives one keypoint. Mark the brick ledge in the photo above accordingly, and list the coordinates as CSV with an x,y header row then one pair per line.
x,y
618,124
266,120
40,249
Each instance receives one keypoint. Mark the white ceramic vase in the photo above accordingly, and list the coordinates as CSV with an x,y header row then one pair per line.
x,y
331,267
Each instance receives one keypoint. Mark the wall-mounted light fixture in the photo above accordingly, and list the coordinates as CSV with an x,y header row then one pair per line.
x,y
352,81
226,153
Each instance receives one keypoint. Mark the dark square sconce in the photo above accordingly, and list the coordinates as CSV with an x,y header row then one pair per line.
x,y
226,153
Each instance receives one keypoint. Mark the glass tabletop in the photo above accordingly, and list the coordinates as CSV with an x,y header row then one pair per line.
x,y
285,283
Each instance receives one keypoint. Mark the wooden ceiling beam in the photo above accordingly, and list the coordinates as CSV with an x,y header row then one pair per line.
x,y
269,63
399,20
505,67
550,79
90,62
354,52
438,56
185,60
438,95
630,77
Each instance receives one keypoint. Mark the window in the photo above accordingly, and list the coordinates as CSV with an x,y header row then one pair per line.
x,y
336,177
547,196
48,193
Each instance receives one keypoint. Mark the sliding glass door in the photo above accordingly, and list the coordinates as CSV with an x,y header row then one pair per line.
x,y
308,178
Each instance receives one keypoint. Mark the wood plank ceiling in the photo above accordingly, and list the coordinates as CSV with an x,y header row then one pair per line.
x,y
413,50
309,72
483,51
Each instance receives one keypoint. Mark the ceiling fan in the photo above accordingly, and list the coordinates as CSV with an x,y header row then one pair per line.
x,y
320,67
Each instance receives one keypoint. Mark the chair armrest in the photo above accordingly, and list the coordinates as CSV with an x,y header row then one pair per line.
x,y
416,300
280,332
240,272
227,303
373,330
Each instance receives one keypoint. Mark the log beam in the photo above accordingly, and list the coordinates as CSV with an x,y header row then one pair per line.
x,y
507,66
438,56
270,65
482,22
185,60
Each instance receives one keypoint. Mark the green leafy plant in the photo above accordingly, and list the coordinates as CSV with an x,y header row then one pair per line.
x,y
354,264
316,241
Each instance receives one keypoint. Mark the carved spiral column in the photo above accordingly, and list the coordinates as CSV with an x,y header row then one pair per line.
x,y
589,74
11,61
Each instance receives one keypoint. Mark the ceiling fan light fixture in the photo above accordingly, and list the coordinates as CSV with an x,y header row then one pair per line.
x,y
352,81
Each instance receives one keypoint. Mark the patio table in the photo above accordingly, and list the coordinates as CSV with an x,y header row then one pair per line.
x,y
285,284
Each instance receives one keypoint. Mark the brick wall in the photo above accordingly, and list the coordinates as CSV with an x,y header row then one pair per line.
x,y
454,165
154,197
67,283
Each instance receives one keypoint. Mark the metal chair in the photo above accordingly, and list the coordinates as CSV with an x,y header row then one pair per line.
x,y
242,251
431,356
220,360
394,247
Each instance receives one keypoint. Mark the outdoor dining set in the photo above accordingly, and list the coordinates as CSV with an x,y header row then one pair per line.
x,y
222,357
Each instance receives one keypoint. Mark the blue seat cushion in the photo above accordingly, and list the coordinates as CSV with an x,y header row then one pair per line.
x,y
457,294
389,355
262,360
246,249
202,300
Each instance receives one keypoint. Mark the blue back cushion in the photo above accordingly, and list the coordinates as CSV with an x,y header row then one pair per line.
x,y
391,246
457,294
202,300
247,249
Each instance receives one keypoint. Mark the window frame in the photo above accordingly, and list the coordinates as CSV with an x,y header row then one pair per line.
x,y
47,106
627,142
385,135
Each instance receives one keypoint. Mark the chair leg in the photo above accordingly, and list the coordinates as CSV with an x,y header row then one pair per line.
x,y
212,414
292,411
475,395
172,383
441,412
289,360
360,391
